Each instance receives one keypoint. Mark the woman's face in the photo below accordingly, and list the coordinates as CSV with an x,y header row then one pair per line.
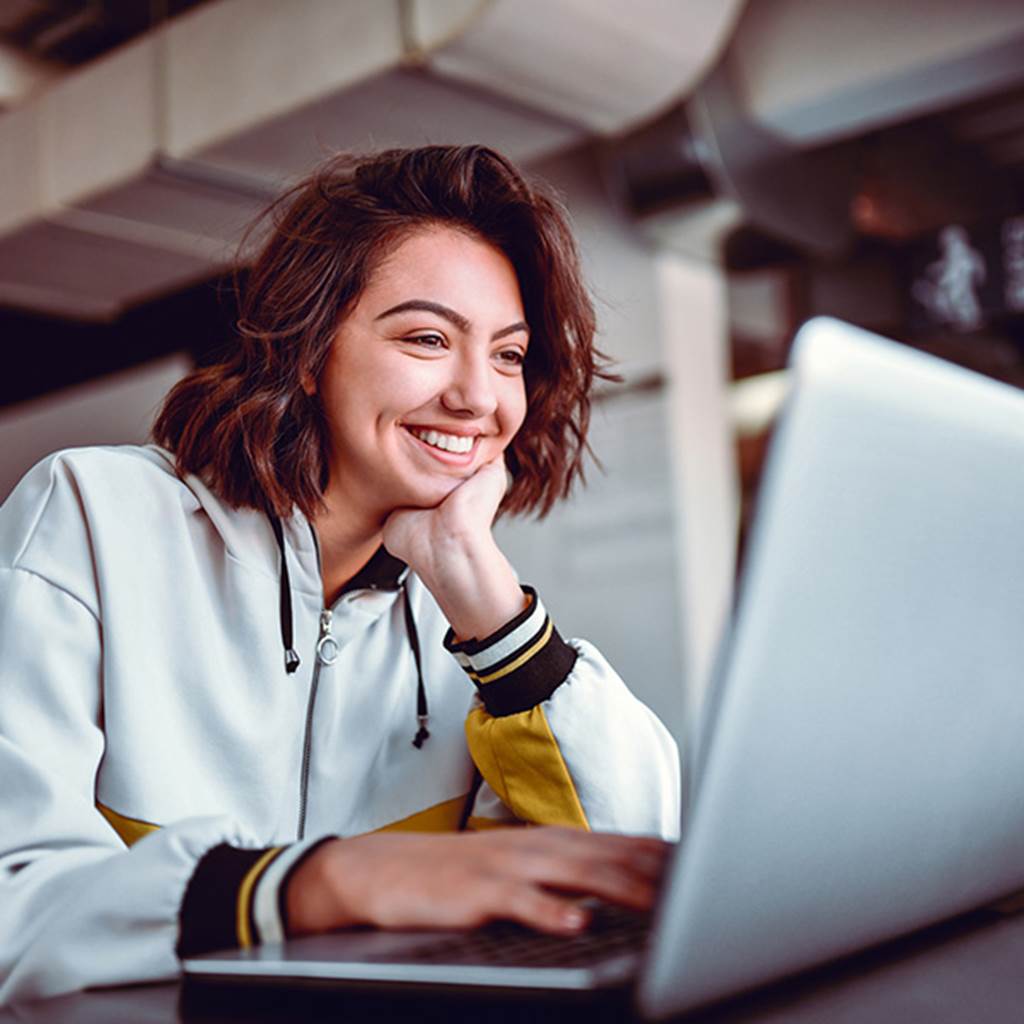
x,y
424,382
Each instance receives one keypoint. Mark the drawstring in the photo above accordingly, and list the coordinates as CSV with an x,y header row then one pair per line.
x,y
422,715
291,658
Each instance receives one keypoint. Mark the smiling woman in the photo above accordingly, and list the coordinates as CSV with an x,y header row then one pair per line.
x,y
422,394
331,233
415,357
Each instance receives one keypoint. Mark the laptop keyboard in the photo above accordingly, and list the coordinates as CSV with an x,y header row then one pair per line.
x,y
612,931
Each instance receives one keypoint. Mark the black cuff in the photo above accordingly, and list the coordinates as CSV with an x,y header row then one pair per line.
x,y
209,910
519,666
531,683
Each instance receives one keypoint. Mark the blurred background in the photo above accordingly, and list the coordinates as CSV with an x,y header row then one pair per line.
x,y
732,169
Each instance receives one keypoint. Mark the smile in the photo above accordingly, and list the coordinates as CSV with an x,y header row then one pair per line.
x,y
455,443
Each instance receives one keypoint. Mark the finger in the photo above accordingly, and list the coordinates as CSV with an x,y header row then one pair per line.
x,y
495,473
535,908
650,864
646,860
610,878
607,840
478,495
610,882
644,856
619,883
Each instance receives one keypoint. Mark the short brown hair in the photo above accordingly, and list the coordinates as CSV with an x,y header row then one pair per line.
x,y
246,425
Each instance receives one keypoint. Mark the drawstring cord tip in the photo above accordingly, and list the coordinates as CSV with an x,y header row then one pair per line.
x,y
291,661
423,734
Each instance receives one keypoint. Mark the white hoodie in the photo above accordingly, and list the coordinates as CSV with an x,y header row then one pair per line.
x,y
161,774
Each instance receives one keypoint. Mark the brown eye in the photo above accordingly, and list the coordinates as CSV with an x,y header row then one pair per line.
x,y
428,341
511,357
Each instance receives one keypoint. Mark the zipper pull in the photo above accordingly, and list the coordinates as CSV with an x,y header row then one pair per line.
x,y
326,647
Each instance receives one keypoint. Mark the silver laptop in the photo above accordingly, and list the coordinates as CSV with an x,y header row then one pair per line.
x,y
860,767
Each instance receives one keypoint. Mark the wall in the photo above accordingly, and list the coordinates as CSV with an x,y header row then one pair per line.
x,y
641,560
110,410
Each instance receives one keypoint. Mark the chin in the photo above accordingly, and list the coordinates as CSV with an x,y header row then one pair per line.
x,y
429,495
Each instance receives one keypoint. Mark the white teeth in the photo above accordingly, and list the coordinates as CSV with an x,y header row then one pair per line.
x,y
446,442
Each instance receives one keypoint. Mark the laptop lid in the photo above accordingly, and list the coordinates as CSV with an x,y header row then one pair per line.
x,y
862,770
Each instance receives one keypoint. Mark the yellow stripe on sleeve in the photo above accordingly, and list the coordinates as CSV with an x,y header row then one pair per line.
x,y
520,759
245,896
475,824
131,830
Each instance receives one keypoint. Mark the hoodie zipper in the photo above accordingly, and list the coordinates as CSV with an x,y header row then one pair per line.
x,y
326,654
307,741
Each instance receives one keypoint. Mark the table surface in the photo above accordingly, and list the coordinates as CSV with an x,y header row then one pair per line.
x,y
971,968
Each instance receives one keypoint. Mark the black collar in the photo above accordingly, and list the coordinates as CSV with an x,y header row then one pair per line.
x,y
382,572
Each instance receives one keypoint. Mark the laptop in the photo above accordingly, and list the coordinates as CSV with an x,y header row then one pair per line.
x,y
859,769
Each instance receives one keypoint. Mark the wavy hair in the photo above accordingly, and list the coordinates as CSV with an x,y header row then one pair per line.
x,y
248,428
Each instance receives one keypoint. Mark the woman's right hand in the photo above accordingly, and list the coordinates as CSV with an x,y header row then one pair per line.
x,y
462,880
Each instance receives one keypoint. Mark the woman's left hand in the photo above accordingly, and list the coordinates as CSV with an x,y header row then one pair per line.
x,y
451,548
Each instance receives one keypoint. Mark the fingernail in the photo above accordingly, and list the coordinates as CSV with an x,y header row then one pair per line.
x,y
574,918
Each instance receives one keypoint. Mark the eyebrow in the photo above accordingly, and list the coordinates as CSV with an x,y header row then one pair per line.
x,y
446,313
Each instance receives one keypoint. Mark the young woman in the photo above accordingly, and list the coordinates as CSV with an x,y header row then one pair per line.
x,y
272,675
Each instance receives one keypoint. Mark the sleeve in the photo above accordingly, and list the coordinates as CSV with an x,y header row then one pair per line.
x,y
558,737
236,897
78,907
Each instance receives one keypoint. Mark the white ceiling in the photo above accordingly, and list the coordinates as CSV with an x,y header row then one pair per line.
x,y
399,107
134,174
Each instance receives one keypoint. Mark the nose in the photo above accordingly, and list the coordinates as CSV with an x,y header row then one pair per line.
x,y
469,390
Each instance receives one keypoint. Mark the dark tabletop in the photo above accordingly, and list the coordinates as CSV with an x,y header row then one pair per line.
x,y
968,969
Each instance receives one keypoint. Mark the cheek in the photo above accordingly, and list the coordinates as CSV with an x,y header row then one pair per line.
x,y
403,387
515,409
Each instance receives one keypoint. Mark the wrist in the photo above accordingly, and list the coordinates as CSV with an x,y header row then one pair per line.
x,y
474,584
313,902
